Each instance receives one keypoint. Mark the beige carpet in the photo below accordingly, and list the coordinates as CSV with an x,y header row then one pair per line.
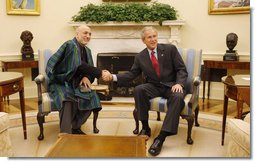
x,y
207,142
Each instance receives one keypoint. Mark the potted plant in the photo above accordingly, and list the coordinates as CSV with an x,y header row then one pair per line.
x,y
122,12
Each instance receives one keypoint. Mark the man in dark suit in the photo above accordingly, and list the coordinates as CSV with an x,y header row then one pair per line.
x,y
165,74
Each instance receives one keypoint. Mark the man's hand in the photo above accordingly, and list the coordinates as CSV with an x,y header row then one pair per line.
x,y
177,88
85,82
106,76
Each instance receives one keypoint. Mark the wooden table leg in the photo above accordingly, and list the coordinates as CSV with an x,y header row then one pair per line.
x,y
225,110
239,105
1,104
23,115
209,83
204,77
8,100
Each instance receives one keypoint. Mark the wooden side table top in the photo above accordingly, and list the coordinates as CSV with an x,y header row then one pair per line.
x,y
219,64
19,63
6,77
98,146
236,87
237,80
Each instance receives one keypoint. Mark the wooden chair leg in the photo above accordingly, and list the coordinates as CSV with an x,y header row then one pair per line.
x,y
40,120
196,116
95,116
135,115
190,120
158,117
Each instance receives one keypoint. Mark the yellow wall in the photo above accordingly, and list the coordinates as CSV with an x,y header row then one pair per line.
x,y
50,29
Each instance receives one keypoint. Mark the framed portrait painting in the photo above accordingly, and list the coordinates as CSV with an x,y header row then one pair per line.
x,y
219,7
23,7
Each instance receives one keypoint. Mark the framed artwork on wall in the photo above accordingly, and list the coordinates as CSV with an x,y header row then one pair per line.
x,y
219,7
23,7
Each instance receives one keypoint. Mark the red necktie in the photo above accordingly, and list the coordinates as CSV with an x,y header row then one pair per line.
x,y
154,62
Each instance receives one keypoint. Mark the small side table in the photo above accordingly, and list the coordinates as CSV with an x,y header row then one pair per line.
x,y
219,64
10,83
236,87
19,63
101,88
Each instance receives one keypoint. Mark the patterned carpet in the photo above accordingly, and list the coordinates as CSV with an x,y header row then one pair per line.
x,y
118,121
213,107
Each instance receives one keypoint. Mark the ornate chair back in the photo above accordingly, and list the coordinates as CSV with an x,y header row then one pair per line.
x,y
192,59
45,101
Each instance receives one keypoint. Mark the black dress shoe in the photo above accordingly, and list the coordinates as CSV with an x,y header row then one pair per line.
x,y
155,148
145,132
77,131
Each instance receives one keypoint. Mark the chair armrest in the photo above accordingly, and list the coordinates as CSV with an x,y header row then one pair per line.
x,y
193,102
196,81
39,80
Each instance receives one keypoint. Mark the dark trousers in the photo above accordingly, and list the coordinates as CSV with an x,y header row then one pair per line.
x,y
175,103
71,117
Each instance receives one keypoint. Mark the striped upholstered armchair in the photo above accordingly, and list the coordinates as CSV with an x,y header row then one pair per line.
x,y
45,102
192,59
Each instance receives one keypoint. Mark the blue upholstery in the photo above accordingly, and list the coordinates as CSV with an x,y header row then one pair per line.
x,y
45,101
47,105
192,59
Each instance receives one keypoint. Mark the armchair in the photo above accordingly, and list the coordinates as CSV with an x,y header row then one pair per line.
x,y
239,142
45,101
192,59
5,140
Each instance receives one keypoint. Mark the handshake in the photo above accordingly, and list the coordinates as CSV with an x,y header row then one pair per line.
x,y
106,76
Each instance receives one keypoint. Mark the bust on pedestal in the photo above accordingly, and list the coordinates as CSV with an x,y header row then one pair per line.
x,y
231,55
26,50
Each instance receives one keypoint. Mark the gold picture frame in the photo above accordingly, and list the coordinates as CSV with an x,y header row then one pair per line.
x,y
220,7
23,7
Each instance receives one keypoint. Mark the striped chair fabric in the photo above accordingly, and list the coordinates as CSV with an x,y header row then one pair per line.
x,y
45,101
192,59
47,104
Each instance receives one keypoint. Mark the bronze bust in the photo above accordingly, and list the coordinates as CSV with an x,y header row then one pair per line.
x,y
231,41
26,50
231,54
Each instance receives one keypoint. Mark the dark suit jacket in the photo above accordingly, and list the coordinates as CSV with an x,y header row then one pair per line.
x,y
172,67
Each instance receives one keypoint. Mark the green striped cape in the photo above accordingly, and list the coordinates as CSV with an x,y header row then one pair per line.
x,y
60,68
